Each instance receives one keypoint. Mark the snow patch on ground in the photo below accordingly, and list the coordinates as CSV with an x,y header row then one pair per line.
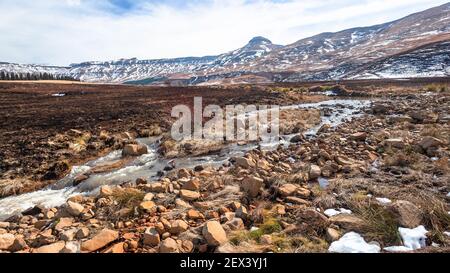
x,y
352,242
384,201
414,238
334,212
397,249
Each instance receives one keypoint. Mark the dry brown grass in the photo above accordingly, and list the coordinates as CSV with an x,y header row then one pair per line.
x,y
380,224
128,198
403,158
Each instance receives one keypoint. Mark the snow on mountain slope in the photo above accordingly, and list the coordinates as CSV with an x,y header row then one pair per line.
x,y
386,50
32,68
429,61
133,69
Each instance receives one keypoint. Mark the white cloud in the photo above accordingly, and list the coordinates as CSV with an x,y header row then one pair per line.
x,y
62,32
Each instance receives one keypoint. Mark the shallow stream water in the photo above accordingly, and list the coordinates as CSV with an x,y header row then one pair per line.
x,y
150,165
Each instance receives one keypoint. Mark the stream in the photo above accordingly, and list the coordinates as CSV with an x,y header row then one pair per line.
x,y
151,164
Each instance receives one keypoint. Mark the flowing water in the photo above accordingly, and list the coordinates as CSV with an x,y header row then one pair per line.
x,y
150,165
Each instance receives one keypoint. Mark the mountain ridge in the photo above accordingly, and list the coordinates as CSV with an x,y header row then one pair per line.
x,y
326,56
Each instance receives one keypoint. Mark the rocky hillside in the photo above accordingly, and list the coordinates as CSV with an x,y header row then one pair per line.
x,y
396,49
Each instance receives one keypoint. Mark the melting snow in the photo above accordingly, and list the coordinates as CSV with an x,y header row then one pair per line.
x,y
397,249
334,212
447,233
384,200
414,238
353,243
58,95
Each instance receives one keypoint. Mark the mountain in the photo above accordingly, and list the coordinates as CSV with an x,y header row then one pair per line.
x,y
414,46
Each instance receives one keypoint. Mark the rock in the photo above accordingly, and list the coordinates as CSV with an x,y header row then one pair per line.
x,y
53,248
430,142
106,191
333,235
148,197
287,190
297,139
214,233
348,222
141,181
178,226
63,223
192,185
151,237
186,246
252,185
303,193
189,195
33,211
19,245
314,172
169,245
68,235
266,239
379,108
360,136
398,143
279,209
5,225
314,219
116,248
71,248
134,150
102,239
80,179
74,209
342,161
183,173
296,200
6,241
408,214
235,224
182,204
244,162
158,187
194,215
82,233
147,206
241,212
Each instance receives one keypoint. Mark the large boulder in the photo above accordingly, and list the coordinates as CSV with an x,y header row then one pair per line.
x,y
314,172
244,162
134,150
188,195
151,237
51,249
252,185
408,215
74,209
99,241
348,222
214,233
169,245
6,241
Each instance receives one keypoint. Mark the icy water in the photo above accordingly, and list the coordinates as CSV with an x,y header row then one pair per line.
x,y
151,164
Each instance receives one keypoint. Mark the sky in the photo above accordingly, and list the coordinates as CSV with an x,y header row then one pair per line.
x,y
61,32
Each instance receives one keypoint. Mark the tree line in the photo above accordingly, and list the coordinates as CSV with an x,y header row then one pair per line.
x,y
13,76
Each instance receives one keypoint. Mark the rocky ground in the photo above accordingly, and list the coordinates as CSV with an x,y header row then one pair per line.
x,y
48,128
376,183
